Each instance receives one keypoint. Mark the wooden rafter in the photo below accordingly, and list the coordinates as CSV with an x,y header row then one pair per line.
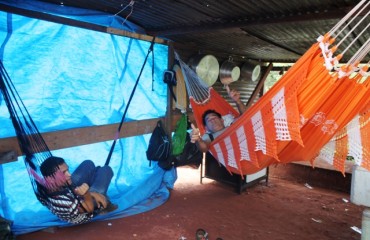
x,y
332,14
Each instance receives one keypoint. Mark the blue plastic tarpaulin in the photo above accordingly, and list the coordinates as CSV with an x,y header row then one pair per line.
x,y
70,77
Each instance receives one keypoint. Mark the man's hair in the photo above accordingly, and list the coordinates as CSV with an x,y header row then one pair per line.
x,y
208,112
50,165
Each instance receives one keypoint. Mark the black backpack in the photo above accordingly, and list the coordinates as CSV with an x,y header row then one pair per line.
x,y
191,155
5,229
159,148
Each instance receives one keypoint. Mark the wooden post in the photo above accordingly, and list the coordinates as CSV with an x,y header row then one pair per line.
x,y
259,86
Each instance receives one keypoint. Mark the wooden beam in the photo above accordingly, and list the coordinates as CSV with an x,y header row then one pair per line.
x,y
77,23
9,156
329,14
170,62
259,86
321,163
261,37
82,136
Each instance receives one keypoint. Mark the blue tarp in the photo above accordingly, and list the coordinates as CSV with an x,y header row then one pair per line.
x,y
70,77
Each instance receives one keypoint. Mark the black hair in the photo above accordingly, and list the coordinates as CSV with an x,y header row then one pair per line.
x,y
208,112
50,165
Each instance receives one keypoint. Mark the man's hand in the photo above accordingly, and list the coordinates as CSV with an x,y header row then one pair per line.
x,y
100,199
89,197
82,190
195,136
235,96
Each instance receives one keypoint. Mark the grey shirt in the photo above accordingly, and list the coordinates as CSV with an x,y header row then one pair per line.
x,y
207,139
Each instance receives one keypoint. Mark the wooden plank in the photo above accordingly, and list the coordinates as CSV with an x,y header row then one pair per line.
x,y
128,34
82,136
8,145
87,135
321,163
259,86
9,156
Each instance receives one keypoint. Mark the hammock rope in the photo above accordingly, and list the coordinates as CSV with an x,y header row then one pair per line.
x,y
30,140
315,99
346,17
328,39
197,90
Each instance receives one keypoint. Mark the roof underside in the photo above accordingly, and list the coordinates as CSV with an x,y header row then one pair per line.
x,y
264,30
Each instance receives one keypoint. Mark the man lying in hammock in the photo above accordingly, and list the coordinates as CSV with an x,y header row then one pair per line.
x,y
77,197
214,123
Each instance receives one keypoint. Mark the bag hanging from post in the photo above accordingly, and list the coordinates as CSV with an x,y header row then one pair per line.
x,y
190,155
179,137
5,229
159,148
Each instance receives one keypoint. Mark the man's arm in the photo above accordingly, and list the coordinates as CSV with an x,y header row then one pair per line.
x,y
202,145
241,107
235,96
89,198
195,138
87,203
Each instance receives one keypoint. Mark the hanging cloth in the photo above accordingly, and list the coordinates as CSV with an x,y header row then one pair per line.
x,y
179,136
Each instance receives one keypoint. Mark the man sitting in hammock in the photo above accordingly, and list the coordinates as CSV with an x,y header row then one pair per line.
x,y
214,123
77,197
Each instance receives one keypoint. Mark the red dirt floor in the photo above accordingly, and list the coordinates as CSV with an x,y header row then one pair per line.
x,y
280,210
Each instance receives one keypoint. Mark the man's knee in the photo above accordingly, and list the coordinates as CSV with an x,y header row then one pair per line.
x,y
107,171
86,167
88,164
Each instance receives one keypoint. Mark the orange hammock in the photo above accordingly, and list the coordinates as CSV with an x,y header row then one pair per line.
x,y
353,140
295,118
